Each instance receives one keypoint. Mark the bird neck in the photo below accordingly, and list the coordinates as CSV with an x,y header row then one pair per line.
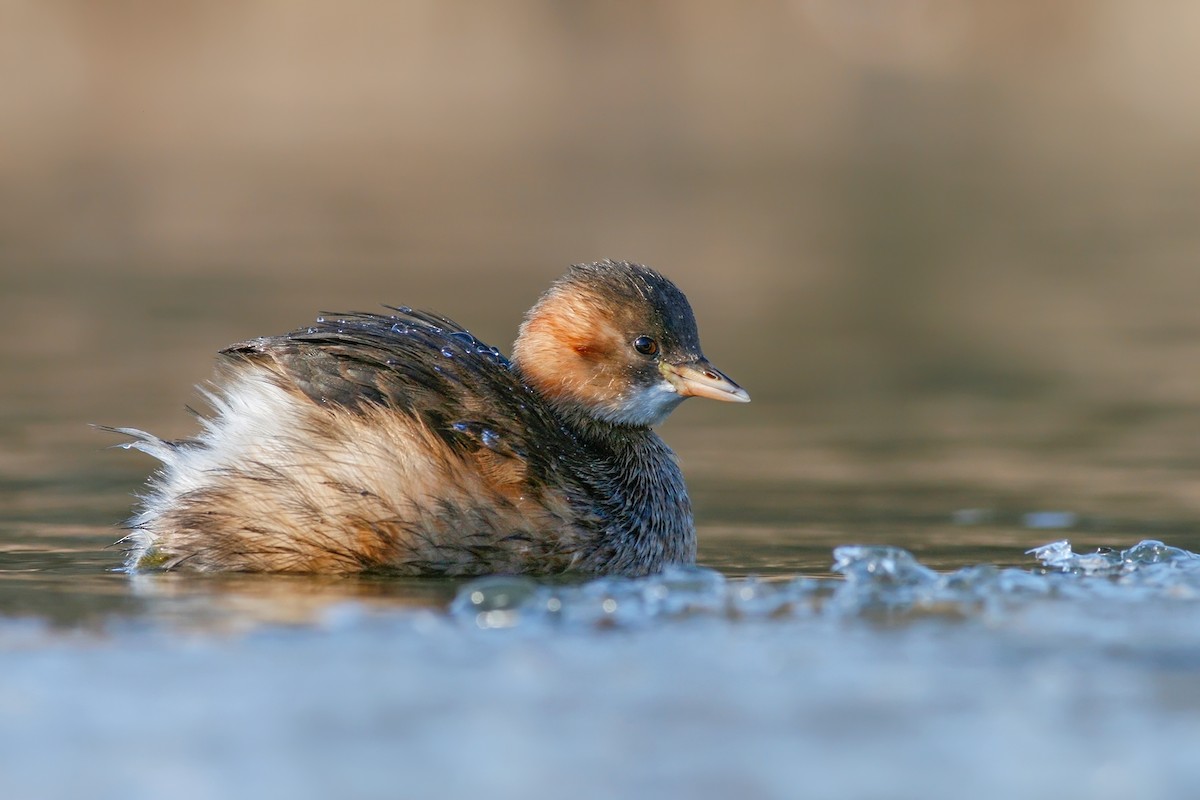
x,y
634,478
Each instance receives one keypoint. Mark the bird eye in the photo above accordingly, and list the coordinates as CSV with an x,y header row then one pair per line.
x,y
645,345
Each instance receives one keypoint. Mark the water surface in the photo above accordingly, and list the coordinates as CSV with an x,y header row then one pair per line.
x,y
1001,675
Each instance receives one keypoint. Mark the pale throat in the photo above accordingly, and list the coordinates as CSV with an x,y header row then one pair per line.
x,y
644,406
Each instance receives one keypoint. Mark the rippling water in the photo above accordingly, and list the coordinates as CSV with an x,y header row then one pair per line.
x,y
805,657
1075,676
868,620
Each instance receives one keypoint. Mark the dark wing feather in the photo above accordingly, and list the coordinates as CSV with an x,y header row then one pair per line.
x,y
422,365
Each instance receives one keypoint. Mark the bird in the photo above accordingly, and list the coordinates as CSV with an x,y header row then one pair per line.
x,y
399,443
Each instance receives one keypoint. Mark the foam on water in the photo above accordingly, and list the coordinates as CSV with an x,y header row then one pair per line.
x,y
878,580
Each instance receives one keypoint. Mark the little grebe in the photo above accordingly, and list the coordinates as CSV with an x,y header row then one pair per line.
x,y
403,443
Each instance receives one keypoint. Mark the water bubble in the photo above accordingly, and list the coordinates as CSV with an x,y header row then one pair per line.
x,y
1060,556
1151,551
890,565
686,590
753,597
1053,554
495,601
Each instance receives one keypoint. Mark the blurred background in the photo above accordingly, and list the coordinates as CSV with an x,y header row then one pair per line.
x,y
925,234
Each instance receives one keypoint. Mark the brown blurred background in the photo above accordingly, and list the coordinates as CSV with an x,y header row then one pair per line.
x,y
911,215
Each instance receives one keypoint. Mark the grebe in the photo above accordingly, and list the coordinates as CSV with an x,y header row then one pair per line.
x,y
401,443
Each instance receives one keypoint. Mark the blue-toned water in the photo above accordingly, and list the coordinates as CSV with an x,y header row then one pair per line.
x,y
1073,676
882,583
